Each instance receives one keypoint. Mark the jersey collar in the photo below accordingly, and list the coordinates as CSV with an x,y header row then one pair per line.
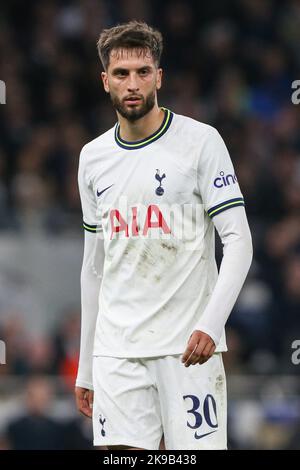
x,y
148,140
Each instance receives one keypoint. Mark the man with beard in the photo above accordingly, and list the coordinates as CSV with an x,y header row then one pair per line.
x,y
153,188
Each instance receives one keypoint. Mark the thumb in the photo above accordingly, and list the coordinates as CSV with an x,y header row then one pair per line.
x,y
191,346
91,398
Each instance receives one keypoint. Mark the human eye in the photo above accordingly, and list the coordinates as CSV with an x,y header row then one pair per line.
x,y
120,73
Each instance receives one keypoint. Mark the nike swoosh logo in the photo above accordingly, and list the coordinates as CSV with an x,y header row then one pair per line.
x,y
100,192
203,435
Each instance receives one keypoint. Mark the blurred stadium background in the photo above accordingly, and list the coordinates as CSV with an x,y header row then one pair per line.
x,y
228,63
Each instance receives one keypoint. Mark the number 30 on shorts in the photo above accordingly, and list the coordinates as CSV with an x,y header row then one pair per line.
x,y
208,413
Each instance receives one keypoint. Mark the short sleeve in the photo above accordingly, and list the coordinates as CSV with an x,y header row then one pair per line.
x,y
217,181
87,197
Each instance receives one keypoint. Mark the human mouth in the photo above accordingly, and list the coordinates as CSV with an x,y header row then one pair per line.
x,y
133,100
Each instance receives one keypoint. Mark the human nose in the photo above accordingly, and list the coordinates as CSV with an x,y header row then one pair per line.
x,y
132,83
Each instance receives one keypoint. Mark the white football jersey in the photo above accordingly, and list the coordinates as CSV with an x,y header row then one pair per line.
x,y
153,202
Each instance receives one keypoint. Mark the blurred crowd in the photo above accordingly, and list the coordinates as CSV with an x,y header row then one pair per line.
x,y
230,64
37,408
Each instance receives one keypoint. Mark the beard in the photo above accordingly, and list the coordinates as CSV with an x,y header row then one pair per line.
x,y
135,113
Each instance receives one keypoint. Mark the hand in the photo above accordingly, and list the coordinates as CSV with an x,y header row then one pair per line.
x,y
84,401
199,349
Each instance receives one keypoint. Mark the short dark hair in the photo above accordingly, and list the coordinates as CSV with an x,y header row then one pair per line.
x,y
132,35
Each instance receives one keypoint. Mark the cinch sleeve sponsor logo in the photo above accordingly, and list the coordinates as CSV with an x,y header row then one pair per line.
x,y
224,180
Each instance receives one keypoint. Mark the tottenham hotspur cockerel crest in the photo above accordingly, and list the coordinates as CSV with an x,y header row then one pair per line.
x,y
159,190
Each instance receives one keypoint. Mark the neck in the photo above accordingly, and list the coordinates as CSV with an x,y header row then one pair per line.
x,y
143,127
